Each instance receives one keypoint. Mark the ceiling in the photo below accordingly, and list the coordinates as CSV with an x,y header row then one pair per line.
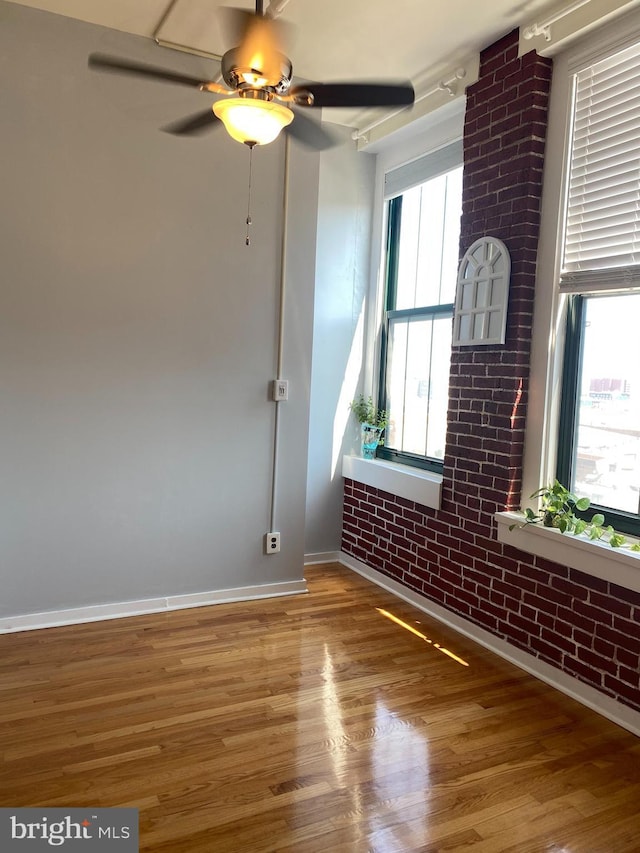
x,y
330,40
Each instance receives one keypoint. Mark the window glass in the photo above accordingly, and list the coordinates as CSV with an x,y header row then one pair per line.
x,y
422,260
429,242
607,454
418,384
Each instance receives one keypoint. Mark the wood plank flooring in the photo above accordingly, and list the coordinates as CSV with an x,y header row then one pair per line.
x,y
310,723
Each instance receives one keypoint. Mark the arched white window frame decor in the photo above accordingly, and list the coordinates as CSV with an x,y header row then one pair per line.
x,y
482,294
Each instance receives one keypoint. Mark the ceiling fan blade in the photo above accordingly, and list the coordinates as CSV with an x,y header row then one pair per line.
x,y
354,94
193,125
310,133
114,65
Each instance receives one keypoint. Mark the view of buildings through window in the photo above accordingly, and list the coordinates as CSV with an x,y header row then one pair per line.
x,y
607,465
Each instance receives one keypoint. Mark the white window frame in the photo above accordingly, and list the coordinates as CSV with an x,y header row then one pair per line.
x,y
428,133
398,181
550,305
549,320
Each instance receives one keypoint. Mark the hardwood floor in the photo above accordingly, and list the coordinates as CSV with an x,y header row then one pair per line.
x,y
310,723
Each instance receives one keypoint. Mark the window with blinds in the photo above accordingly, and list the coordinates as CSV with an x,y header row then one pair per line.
x,y
599,428
602,232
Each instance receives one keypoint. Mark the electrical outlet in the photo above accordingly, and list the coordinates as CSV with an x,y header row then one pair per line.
x,y
280,390
272,543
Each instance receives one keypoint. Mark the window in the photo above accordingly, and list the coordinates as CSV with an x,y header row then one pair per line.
x,y
599,441
422,248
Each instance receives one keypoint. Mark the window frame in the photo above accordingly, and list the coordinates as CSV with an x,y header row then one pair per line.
x,y
612,565
594,281
624,522
548,364
392,243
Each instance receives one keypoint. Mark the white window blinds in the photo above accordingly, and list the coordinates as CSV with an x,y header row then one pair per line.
x,y
602,236
420,171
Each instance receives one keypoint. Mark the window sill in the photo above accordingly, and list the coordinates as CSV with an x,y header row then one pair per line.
x,y
617,565
403,481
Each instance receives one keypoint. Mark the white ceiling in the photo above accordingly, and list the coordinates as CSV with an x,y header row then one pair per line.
x,y
331,40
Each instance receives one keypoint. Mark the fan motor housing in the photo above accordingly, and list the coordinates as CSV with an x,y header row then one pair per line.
x,y
238,77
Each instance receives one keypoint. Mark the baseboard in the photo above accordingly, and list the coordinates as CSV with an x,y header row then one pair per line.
x,y
322,557
567,684
118,610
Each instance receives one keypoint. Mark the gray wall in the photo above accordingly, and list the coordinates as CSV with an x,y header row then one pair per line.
x,y
347,181
138,334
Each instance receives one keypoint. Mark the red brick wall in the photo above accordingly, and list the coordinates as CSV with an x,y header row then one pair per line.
x,y
585,626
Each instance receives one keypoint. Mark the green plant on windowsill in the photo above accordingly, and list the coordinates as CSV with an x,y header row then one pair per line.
x,y
366,413
558,508
372,425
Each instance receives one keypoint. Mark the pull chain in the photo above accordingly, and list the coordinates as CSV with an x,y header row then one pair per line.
x,y
251,145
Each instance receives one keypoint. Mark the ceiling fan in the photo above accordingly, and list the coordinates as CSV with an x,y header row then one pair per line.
x,y
258,88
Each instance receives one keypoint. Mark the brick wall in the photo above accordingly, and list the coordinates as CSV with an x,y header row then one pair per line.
x,y
587,627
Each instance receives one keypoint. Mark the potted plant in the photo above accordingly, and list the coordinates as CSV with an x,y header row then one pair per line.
x,y
372,421
558,508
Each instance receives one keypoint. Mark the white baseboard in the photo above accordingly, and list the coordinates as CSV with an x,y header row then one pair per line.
x,y
98,612
583,693
322,557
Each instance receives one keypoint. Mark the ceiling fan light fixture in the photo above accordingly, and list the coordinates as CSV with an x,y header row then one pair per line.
x,y
253,122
